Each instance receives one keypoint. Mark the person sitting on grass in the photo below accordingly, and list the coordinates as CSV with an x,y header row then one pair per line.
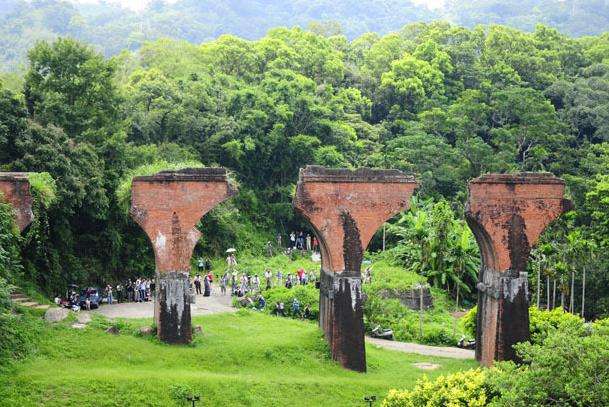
x,y
279,309
296,307
307,312
261,303
288,281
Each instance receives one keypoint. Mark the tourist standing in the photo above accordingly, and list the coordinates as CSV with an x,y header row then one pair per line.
x,y
198,285
292,240
267,277
315,244
223,282
136,291
279,278
206,286
109,293
308,240
231,262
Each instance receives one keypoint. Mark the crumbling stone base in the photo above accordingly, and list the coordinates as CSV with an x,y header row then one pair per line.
x,y
174,307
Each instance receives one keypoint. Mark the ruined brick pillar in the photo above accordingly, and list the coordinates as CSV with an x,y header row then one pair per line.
x,y
507,213
15,190
167,206
345,208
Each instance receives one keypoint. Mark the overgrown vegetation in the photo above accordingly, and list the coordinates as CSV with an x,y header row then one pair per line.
x,y
565,367
541,323
434,326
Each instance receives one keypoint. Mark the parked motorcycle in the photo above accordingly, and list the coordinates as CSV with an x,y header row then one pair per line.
x,y
465,343
381,333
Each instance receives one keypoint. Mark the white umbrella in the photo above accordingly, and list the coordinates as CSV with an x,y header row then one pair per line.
x,y
231,250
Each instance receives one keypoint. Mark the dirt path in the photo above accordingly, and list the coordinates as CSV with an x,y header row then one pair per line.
x,y
445,352
218,303
204,306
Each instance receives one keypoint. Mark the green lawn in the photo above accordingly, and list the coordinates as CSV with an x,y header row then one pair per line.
x,y
244,359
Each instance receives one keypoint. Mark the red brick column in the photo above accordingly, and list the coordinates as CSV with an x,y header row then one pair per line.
x,y
167,206
15,189
507,213
345,208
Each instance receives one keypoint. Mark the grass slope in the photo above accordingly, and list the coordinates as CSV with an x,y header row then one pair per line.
x,y
245,359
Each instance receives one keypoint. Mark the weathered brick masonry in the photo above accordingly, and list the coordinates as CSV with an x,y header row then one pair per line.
x,y
167,206
345,208
507,213
15,189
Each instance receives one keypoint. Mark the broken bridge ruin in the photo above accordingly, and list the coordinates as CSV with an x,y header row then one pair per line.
x,y
15,190
507,213
345,208
168,206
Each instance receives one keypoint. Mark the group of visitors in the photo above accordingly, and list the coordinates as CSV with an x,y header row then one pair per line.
x,y
301,241
140,290
295,309
204,282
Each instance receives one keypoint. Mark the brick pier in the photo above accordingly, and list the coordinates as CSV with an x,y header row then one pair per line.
x,y
15,190
507,213
167,206
345,208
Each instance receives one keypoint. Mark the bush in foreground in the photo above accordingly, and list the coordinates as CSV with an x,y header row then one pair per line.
x,y
568,367
467,388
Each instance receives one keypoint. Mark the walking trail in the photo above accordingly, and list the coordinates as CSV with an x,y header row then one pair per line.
x,y
215,304
218,303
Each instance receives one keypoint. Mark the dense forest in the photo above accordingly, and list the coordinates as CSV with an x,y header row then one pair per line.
x,y
445,102
110,28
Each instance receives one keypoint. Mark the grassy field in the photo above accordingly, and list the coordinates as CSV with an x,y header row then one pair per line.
x,y
243,359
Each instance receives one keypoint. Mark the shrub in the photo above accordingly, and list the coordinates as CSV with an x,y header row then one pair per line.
x,y
18,332
43,188
468,389
123,191
468,322
565,369
601,326
541,322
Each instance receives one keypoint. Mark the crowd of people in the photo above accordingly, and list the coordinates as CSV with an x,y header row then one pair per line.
x,y
243,283
238,284
138,290
300,241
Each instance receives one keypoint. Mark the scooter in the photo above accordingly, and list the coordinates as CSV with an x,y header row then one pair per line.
x,y
466,343
381,333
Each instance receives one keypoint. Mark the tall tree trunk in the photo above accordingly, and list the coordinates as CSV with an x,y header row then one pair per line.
x,y
538,284
548,293
554,295
562,294
571,301
584,292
